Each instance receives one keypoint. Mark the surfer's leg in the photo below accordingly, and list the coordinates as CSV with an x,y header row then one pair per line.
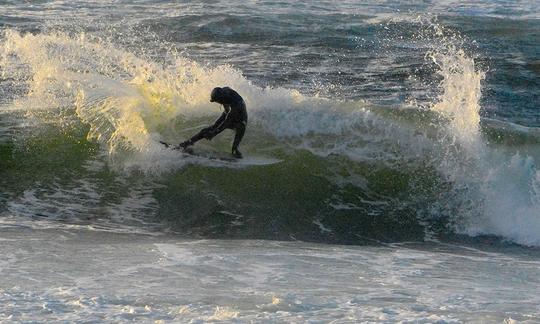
x,y
208,133
240,129
203,133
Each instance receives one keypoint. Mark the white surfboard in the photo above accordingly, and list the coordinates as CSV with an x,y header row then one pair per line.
x,y
222,158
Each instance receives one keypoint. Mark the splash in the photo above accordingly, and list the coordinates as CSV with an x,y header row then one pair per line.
x,y
131,102
501,189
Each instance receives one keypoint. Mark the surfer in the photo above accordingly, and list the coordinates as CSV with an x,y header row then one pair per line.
x,y
234,117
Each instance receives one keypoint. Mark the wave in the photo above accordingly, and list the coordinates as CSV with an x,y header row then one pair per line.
x,y
353,170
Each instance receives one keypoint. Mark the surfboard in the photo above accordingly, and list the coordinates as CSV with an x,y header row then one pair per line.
x,y
222,158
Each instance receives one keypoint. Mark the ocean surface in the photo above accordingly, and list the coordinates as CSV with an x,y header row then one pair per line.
x,y
408,188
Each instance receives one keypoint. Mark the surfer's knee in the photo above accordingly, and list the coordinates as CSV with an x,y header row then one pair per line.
x,y
208,132
240,128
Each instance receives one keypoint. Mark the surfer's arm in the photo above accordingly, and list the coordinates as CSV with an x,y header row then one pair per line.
x,y
222,119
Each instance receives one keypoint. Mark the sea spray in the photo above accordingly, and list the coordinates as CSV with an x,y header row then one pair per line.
x,y
500,188
130,103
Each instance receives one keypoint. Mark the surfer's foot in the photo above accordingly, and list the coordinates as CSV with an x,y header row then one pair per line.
x,y
165,143
184,145
237,154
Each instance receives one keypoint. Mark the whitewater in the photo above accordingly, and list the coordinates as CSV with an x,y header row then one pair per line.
x,y
408,188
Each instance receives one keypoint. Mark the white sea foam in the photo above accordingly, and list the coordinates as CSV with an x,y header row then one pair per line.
x,y
73,275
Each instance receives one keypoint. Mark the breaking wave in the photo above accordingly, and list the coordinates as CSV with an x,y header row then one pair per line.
x,y
352,171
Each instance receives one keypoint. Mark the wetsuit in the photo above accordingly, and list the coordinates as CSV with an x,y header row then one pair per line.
x,y
234,117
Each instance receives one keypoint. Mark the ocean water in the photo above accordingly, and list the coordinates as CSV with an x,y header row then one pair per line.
x,y
408,190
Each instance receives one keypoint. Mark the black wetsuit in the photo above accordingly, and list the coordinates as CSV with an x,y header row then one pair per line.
x,y
234,117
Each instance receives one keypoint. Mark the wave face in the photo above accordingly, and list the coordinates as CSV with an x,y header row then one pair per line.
x,y
388,140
